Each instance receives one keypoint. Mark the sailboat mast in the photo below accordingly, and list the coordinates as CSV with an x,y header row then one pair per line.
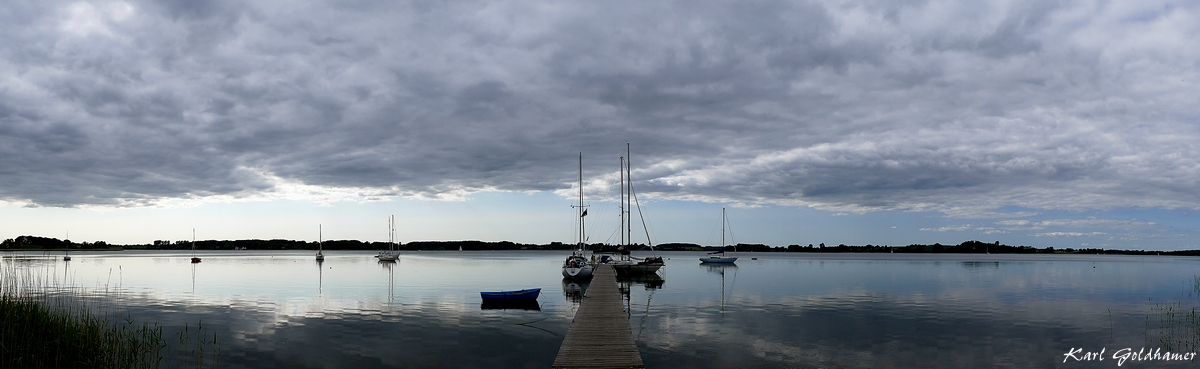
x,y
629,194
580,212
320,240
722,231
621,207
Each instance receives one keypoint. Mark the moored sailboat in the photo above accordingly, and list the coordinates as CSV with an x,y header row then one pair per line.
x,y
390,254
194,258
577,265
623,262
320,247
718,257
67,256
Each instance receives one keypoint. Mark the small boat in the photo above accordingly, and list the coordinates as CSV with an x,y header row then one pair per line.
x,y
390,254
194,258
718,257
320,255
527,294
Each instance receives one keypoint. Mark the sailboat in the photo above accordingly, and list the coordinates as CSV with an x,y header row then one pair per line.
x,y
67,256
194,258
576,265
320,247
390,254
624,263
718,256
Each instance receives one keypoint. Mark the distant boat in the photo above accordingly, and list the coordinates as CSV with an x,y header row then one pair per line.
x,y
194,258
320,256
390,254
576,265
67,256
506,296
718,256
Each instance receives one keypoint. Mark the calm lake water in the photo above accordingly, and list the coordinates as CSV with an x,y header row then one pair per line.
x,y
283,309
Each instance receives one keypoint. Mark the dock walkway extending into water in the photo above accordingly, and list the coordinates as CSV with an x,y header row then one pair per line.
x,y
600,336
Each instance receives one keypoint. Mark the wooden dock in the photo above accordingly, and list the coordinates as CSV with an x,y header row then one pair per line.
x,y
600,336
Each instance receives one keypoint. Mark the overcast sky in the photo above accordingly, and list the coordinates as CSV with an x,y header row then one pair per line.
x,y
1046,123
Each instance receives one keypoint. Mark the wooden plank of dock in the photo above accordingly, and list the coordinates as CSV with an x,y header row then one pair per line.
x,y
600,336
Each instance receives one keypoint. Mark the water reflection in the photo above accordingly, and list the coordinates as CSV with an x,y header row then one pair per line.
x,y
721,269
320,276
981,264
793,311
390,266
511,305
574,289
651,281
193,280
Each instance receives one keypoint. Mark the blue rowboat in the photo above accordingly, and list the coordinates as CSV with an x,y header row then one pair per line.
x,y
529,294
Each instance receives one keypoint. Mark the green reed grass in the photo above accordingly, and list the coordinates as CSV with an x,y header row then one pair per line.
x,y
1175,326
44,325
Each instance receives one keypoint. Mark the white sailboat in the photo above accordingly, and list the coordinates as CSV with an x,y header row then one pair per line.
x,y
624,263
718,257
320,247
390,254
576,265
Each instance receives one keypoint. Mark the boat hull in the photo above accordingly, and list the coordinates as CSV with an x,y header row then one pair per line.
x,y
624,269
721,260
508,296
578,272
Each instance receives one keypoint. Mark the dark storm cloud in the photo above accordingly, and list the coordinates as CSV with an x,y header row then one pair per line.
x,y
857,106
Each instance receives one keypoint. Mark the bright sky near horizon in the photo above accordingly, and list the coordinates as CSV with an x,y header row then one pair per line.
x,y
1065,124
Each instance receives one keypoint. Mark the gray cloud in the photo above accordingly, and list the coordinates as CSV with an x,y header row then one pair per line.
x,y
960,108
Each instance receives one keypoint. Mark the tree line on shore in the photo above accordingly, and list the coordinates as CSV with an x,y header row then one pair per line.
x,y
968,247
